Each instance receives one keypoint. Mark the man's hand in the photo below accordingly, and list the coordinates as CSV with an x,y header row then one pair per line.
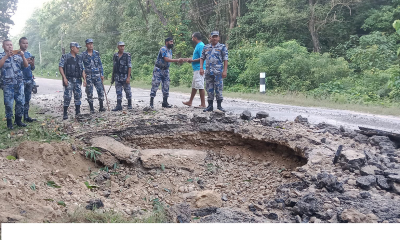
x,y
31,61
224,74
102,78
180,60
202,71
22,54
189,60
65,82
9,54
128,80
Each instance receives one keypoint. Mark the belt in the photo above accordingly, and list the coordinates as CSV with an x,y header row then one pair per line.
x,y
162,68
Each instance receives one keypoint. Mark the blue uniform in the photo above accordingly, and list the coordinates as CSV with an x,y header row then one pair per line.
x,y
215,57
28,83
73,73
121,70
13,85
94,72
161,72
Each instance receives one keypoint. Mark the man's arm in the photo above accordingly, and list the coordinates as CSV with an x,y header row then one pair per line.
x,y
64,78
4,59
101,69
128,80
202,58
24,61
32,64
225,59
112,76
167,59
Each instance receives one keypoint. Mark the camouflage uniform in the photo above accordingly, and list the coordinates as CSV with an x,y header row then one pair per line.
x,y
74,80
13,85
215,57
94,72
161,73
121,68
28,83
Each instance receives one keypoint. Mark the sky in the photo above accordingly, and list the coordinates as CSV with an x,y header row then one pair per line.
x,y
24,11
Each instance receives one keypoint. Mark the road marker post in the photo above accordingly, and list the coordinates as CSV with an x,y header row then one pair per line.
x,y
262,83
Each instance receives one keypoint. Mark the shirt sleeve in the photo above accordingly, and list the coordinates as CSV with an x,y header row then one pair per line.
x,y
224,53
203,54
164,52
62,61
129,61
100,65
81,62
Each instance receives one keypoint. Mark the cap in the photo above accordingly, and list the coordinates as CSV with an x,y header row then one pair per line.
x,y
213,33
89,41
74,44
121,44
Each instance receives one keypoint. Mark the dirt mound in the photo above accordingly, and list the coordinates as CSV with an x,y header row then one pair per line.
x,y
55,156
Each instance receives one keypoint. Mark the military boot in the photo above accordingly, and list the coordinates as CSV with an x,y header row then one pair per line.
x,y
91,108
210,107
118,107
65,117
219,106
77,109
101,109
129,103
9,124
28,119
152,102
19,122
165,103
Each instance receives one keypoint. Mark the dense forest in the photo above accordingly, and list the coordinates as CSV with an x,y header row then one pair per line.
x,y
343,50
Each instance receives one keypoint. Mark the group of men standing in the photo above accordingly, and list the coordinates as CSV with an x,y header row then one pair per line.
x,y
209,62
16,68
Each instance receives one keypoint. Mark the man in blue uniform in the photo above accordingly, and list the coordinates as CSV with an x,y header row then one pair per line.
x,y
11,67
198,80
161,72
28,78
94,75
122,66
72,71
216,55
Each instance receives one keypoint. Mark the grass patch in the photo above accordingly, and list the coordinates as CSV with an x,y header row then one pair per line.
x,y
82,215
43,130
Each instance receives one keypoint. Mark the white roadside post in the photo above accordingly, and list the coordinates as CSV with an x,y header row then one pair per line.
x,y
262,83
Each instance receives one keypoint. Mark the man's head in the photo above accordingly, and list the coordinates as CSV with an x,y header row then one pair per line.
x,y
74,46
214,37
196,37
169,42
7,45
89,44
121,47
23,43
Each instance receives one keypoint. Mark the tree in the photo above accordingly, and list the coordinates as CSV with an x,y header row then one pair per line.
x,y
7,10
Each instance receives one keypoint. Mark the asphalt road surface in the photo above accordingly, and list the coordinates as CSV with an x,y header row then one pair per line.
x,y
50,89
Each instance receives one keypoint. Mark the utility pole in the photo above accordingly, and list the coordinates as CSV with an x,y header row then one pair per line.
x,y
40,55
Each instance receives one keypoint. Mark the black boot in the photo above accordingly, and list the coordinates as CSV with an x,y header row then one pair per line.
x,y
129,103
91,108
28,119
65,117
102,109
77,109
165,103
9,124
210,107
219,106
19,122
118,107
152,102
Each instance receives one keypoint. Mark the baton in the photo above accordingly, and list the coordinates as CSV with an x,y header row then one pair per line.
x,y
110,88
108,106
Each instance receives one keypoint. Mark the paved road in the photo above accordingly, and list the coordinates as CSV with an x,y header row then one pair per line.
x,y
53,90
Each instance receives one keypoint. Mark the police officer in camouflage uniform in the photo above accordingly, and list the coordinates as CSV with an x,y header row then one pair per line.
x,y
216,56
122,66
28,78
11,67
72,71
161,72
94,75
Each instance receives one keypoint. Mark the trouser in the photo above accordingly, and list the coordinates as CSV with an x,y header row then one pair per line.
x,y
14,92
119,86
214,83
74,86
28,93
94,80
160,76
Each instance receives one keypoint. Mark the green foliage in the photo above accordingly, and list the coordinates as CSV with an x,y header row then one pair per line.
x,y
52,184
92,153
10,157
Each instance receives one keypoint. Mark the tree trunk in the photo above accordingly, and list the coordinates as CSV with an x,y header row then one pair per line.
x,y
143,13
233,14
312,28
160,15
